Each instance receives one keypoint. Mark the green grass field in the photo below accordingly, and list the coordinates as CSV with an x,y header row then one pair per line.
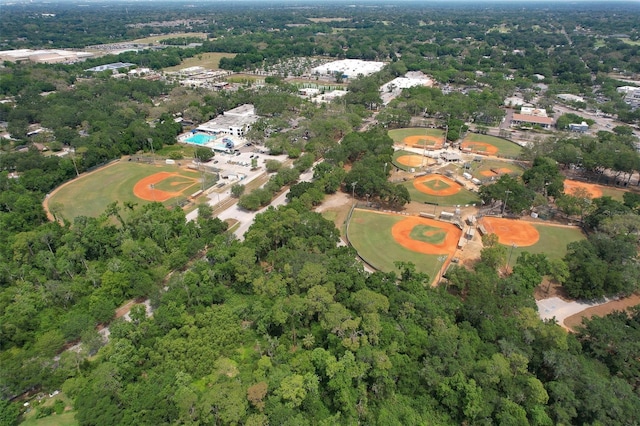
x,y
399,134
90,194
379,249
505,148
477,168
553,241
65,419
463,197
616,194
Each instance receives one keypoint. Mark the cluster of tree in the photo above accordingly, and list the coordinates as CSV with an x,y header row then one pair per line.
x,y
58,282
609,156
284,328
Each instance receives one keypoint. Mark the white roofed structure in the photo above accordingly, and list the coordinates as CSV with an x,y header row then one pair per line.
x,y
350,68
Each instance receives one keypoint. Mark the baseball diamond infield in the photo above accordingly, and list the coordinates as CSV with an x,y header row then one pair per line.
x,y
421,141
426,236
411,160
436,185
146,189
511,231
479,147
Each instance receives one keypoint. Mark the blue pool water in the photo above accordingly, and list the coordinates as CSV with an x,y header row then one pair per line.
x,y
199,139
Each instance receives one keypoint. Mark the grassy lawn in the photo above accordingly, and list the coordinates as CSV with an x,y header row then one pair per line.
x,y
370,234
631,42
505,148
463,197
553,241
186,150
90,194
477,168
208,60
65,419
616,194
399,134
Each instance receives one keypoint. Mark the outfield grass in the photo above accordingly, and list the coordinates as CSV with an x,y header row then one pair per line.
x,y
370,235
463,197
399,134
615,193
90,194
505,148
553,241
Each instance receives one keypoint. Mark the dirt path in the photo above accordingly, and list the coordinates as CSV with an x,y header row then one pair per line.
x,y
573,321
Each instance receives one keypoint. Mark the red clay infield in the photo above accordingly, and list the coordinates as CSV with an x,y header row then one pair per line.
x,y
479,147
570,186
410,160
511,231
442,186
142,188
401,232
419,141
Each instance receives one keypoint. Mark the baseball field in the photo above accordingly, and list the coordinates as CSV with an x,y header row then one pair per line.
x,y
417,137
441,190
533,237
384,238
125,181
490,145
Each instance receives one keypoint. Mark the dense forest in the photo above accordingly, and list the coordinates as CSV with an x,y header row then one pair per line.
x,y
286,327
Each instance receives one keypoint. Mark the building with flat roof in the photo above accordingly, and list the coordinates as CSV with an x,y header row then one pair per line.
x,y
348,68
579,128
568,97
45,56
524,119
113,67
235,122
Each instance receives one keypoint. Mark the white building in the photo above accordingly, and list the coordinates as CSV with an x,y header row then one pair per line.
x,y
235,122
348,68
568,97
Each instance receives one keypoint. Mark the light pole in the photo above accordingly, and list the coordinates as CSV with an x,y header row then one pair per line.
x,y
153,154
506,197
353,192
513,246
153,193
438,267
385,170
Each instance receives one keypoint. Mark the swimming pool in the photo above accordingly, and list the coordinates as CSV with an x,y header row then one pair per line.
x,y
199,139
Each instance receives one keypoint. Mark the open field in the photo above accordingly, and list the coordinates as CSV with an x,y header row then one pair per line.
x,y
551,240
208,60
490,145
631,42
117,182
382,239
438,189
65,419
